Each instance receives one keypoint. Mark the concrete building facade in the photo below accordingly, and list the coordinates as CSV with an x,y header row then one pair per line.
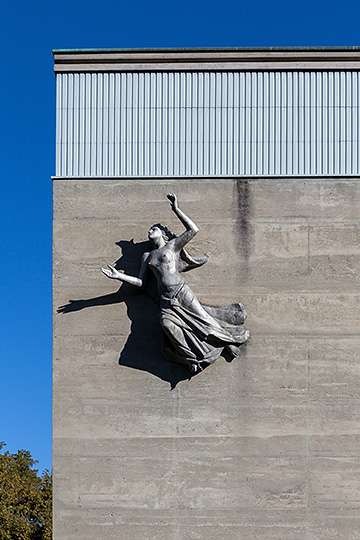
x,y
262,147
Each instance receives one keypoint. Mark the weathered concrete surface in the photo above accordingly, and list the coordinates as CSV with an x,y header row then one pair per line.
x,y
266,447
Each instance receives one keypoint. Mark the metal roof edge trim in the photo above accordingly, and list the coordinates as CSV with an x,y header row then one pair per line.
x,y
217,59
202,49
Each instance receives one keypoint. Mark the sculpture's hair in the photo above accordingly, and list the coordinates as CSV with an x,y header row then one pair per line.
x,y
165,231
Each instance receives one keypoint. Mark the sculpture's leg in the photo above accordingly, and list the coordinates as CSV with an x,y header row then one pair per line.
x,y
176,337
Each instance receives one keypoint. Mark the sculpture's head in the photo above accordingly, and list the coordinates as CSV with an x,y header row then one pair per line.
x,y
158,233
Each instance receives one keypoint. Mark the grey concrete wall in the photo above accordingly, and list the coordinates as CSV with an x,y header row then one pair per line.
x,y
266,447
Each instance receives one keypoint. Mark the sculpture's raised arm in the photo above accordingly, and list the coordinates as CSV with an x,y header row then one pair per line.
x,y
191,227
185,220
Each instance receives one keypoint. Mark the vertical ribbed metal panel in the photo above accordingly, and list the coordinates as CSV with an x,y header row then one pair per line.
x,y
205,124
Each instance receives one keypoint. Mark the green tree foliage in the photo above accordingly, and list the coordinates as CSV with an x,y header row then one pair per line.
x,y
25,498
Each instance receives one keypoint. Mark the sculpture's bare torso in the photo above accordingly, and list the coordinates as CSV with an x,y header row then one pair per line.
x,y
163,263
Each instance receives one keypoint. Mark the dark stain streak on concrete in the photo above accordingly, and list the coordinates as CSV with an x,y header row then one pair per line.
x,y
245,231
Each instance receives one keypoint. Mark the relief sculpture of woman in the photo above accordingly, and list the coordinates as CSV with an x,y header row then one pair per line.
x,y
193,334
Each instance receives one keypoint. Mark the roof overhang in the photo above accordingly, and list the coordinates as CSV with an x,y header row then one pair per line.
x,y
216,59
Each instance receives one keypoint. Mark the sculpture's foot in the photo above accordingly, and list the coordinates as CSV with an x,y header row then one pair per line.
x,y
195,368
243,338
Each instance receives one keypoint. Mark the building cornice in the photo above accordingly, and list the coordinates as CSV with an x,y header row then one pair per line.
x,y
217,59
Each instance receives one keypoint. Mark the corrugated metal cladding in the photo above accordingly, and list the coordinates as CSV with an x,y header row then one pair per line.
x,y
205,124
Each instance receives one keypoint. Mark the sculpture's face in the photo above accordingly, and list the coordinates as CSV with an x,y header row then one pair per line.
x,y
155,235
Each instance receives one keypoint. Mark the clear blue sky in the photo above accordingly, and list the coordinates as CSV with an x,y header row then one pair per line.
x,y
28,32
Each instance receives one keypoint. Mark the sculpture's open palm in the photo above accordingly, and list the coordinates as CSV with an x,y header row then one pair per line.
x,y
112,272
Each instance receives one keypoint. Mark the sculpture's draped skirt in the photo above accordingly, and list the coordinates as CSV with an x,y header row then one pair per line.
x,y
194,333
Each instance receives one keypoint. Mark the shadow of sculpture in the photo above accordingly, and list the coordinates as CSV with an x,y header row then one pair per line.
x,y
142,350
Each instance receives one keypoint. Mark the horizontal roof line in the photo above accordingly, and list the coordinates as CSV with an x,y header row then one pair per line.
x,y
203,49
215,59
207,176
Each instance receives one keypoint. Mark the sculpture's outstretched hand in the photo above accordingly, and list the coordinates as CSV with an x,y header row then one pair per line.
x,y
173,201
112,272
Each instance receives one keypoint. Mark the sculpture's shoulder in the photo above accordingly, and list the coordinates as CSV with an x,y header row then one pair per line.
x,y
145,256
